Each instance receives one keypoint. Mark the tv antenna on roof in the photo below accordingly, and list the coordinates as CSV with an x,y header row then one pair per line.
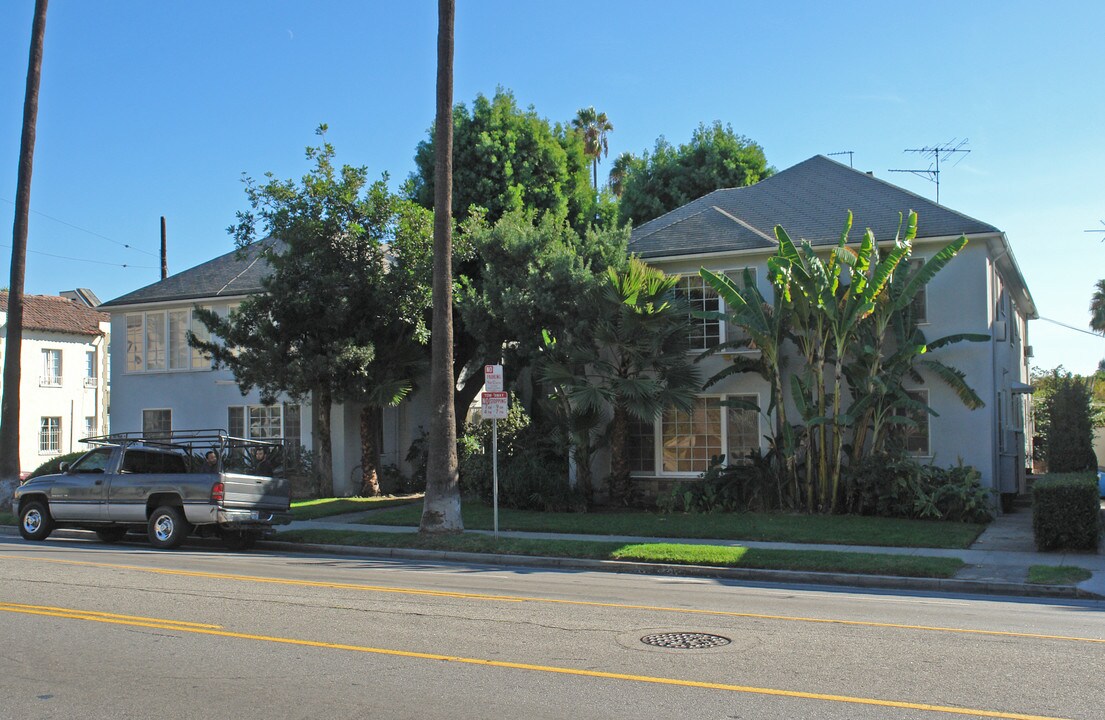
x,y
932,173
1100,230
849,153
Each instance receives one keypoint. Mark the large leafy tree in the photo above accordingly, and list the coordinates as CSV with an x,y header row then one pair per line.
x,y
9,406
593,126
441,507
507,159
716,157
1097,308
630,362
338,318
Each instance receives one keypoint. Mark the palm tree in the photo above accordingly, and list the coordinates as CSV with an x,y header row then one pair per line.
x,y
441,508
594,126
9,406
1097,308
623,165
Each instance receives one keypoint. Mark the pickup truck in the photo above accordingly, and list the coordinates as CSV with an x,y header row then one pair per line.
x,y
170,486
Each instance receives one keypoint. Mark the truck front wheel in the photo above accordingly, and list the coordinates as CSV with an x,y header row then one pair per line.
x,y
167,527
35,522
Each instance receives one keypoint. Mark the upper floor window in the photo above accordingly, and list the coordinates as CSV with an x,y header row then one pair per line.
x,y
920,300
51,367
708,332
90,368
159,341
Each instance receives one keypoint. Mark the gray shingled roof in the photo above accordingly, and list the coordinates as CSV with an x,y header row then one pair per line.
x,y
225,276
810,201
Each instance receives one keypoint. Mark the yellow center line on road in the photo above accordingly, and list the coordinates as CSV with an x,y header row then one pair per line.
x,y
74,614
103,616
556,601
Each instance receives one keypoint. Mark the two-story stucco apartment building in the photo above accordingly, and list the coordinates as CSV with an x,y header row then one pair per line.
x,y
161,383
63,386
981,291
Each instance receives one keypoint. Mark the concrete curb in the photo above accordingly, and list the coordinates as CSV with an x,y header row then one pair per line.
x,y
790,577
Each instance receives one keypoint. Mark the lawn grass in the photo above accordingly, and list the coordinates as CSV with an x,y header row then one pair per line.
x,y
668,553
770,527
7,518
1057,575
325,507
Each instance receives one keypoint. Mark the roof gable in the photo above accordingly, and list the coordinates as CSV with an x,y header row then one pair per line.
x,y
809,200
225,276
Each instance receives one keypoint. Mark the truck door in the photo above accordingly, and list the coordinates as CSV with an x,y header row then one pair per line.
x,y
80,492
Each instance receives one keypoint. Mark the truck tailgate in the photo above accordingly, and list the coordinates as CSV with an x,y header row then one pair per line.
x,y
253,492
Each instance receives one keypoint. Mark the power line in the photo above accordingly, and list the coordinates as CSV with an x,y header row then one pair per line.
x,y
85,230
96,262
1072,327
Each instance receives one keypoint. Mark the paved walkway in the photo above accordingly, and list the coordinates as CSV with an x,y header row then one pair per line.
x,y
997,562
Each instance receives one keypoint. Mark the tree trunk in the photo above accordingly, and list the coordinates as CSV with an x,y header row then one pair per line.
x,y
619,463
370,451
324,464
441,509
9,405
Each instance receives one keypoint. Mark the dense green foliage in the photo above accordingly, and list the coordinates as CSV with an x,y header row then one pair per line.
x,y
1066,512
1063,409
53,465
507,159
656,183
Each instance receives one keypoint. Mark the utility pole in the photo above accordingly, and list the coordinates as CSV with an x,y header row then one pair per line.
x,y
932,173
164,253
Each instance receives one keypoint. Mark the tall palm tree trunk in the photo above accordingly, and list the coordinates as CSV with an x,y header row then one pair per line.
x,y
323,449
9,405
370,451
619,463
441,509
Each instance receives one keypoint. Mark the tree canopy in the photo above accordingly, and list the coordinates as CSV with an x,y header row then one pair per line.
x,y
507,159
716,157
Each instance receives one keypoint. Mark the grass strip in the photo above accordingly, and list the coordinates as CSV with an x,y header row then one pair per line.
x,y
326,507
1057,575
668,553
769,527
7,518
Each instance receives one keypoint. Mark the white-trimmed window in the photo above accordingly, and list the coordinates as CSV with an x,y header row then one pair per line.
x,y
264,422
684,443
90,368
158,341
157,421
701,297
51,368
49,435
89,425
917,438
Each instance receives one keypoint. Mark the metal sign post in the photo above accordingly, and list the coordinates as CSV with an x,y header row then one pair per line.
x,y
495,406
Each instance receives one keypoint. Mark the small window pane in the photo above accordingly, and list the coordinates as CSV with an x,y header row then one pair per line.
x,y
917,439
236,421
701,298
200,361
743,430
641,448
155,341
692,439
265,422
49,435
157,422
180,354
292,415
135,344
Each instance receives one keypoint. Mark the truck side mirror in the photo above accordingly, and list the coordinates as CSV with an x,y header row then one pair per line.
x,y
64,467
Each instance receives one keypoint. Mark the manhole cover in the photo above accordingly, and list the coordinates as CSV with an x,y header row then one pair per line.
x,y
685,641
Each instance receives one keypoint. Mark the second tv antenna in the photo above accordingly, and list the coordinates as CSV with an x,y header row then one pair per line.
x,y
934,152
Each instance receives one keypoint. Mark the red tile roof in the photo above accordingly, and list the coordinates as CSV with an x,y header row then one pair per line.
x,y
53,313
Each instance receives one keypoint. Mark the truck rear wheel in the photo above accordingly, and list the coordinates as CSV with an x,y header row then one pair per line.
x,y
35,522
167,527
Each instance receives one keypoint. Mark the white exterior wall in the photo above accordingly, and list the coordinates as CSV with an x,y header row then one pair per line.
x,y
960,299
72,401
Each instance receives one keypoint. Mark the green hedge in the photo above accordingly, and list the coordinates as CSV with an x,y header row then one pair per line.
x,y
1066,512
53,465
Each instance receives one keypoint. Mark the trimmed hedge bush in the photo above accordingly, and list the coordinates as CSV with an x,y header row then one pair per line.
x,y
53,465
1066,512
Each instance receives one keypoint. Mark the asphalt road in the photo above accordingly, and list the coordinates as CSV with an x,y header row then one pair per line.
x,y
96,631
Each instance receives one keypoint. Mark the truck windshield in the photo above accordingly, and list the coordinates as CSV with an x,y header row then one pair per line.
x,y
94,461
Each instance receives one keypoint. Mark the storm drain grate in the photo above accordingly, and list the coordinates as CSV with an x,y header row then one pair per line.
x,y
685,641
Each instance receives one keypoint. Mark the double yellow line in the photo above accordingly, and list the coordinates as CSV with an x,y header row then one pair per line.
x,y
217,631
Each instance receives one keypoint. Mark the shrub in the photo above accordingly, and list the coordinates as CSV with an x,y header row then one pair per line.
x,y
891,485
1066,512
725,488
1067,426
53,465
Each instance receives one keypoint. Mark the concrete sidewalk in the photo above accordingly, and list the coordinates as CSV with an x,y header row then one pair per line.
x,y
998,562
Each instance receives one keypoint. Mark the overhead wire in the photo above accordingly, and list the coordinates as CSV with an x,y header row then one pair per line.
x,y
1072,327
86,230
96,262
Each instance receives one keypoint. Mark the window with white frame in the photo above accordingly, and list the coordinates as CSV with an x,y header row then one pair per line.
x,y
51,367
920,300
705,332
264,422
742,429
157,422
89,425
49,435
688,441
917,438
158,341
641,446
90,368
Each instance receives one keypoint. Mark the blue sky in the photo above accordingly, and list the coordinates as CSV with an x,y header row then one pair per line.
x,y
151,109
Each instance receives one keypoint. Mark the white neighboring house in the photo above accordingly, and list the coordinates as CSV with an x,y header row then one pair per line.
x,y
980,291
160,383
64,388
